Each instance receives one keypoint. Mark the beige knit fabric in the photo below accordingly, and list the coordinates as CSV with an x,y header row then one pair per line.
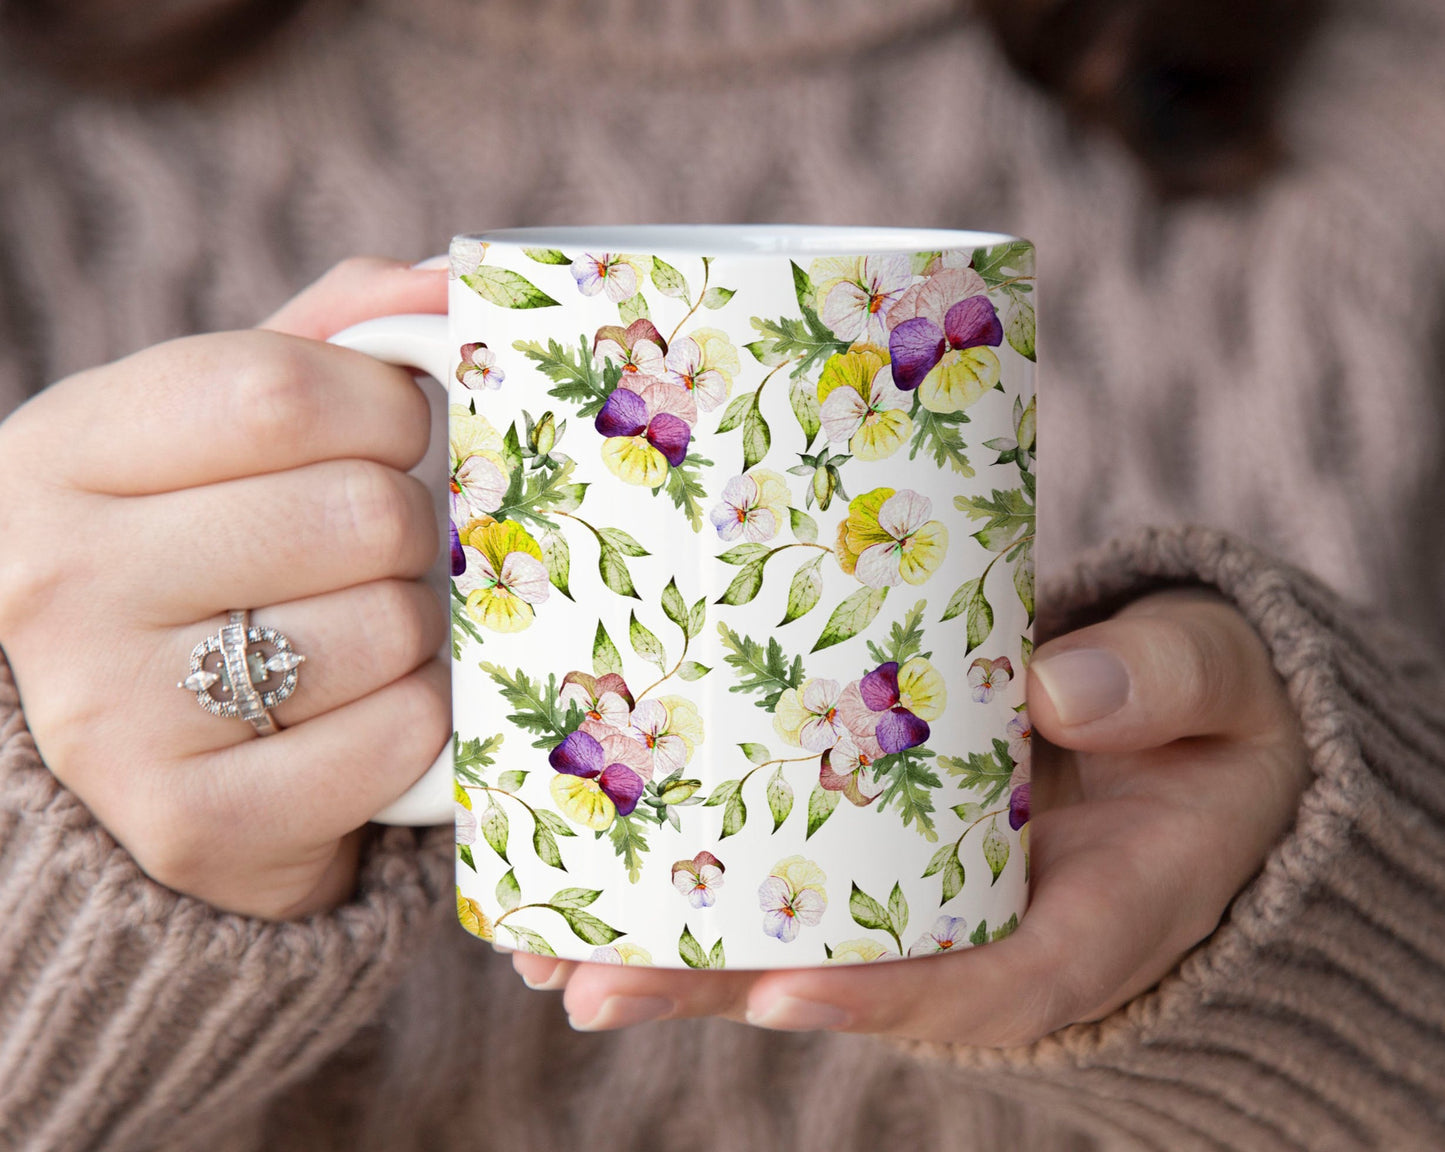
x,y
1270,365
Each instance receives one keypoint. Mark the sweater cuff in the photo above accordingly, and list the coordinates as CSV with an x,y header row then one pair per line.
x,y
128,1011
1311,1018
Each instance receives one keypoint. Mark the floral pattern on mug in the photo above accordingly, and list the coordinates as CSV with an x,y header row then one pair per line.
x,y
794,894
699,879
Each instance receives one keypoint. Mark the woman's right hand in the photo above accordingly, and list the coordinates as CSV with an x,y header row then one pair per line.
x,y
264,469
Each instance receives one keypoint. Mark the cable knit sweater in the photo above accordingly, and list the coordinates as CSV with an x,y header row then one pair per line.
x,y
1269,366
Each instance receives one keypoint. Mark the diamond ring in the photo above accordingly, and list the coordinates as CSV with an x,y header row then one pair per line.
x,y
256,670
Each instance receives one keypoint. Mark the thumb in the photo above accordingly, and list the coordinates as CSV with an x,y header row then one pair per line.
x,y
358,289
1172,665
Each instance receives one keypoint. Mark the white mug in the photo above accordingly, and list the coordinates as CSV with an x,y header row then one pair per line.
x,y
742,525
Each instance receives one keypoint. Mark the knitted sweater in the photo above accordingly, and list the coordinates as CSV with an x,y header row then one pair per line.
x,y
1269,366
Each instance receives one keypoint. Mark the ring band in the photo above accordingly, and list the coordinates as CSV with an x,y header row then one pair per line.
x,y
243,674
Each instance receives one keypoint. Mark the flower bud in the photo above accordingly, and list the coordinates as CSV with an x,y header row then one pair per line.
x,y
678,791
543,435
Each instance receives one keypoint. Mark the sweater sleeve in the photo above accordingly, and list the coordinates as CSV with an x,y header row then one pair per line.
x,y
130,1014
1313,1018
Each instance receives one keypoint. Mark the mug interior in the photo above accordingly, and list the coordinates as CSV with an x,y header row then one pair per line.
x,y
745,239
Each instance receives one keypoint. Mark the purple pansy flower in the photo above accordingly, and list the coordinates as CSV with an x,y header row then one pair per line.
x,y
917,345
626,414
459,558
582,755
898,728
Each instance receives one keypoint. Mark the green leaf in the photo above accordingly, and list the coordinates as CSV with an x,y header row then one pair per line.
x,y
910,782
821,803
1018,328
905,638
629,843
937,434
536,704
747,583
742,553
557,558
605,657
780,797
953,877
980,934
805,528
851,617
767,352
673,605
507,289
1024,579
969,599
613,569
806,589
989,771
645,644
721,793
759,669
733,414
807,341
464,852
920,262
470,756
716,958
509,892
715,298
668,280
530,494
634,308
624,542
969,812
803,288
686,489
554,823
493,822
897,910
544,843
756,753
692,670
1026,651
735,815
757,439
511,780
938,860
1009,516
546,256
867,912
575,372
1004,261
575,897
995,849
803,396
690,950
1007,928
529,941
587,928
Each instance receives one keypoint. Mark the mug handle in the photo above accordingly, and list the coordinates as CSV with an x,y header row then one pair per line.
x,y
422,342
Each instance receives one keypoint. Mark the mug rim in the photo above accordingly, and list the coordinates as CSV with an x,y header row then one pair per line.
x,y
745,240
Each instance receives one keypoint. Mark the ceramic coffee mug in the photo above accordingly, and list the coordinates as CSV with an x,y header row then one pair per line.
x,y
742,526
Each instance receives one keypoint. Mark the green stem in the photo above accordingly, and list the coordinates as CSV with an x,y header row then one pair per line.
x,y
520,907
667,675
959,842
1011,280
701,292
504,792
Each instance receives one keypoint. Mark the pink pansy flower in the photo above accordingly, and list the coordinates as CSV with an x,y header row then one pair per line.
x,y
638,349
699,879
1020,732
601,775
808,716
478,369
647,432
985,677
948,933
856,306
606,699
466,825
860,721
754,507
668,728
844,769
703,363
614,273
477,488
794,894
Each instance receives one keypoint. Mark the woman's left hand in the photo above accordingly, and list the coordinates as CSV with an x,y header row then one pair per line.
x,y
1176,765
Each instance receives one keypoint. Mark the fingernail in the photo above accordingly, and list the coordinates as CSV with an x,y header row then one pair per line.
x,y
623,1012
1084,684
788,1014
557,978
433,264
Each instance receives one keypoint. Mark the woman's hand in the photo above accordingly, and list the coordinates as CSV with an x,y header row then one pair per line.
x,y
263,470
1176,765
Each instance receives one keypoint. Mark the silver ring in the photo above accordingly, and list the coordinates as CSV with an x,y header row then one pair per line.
x,y
243,676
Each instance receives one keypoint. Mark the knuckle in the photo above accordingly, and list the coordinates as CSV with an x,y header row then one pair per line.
x,y
1203,671
400,630
176,846
274,391
376,515
423,710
